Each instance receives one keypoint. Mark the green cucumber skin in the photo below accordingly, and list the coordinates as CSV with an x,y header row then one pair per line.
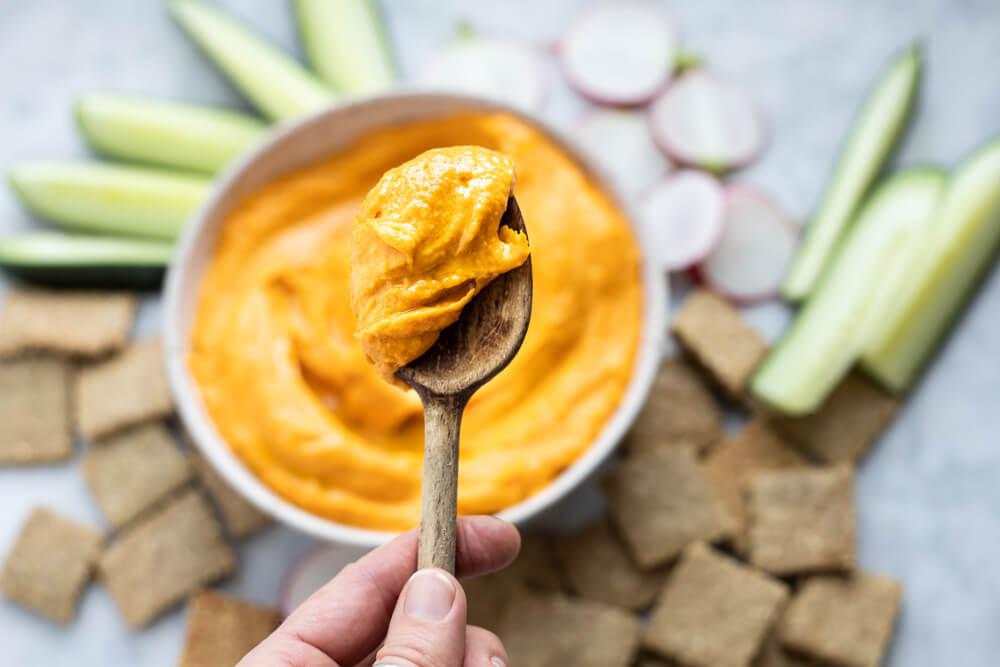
x,y
364,69
819,243
142,278
108,198
272,80
57,260
898,353
816,352
165,134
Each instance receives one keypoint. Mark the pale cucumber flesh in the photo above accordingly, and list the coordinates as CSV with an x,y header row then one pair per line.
x,y
167,134
827,335
873,136
273,81
346,44
958,247
109,199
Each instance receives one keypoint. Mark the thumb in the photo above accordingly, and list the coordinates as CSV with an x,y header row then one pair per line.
x,y
428,626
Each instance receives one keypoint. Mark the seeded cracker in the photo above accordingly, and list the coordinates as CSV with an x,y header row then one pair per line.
x,y
88,324
714,611
126,390
164,558
552,629
222,629
844,621
736,459
846,425
717,336
802,520
680,410
50,564
662,503
241,518
599,568
131,471
34,411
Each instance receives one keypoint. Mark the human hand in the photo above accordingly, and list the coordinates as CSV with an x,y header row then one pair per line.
x,y
378,611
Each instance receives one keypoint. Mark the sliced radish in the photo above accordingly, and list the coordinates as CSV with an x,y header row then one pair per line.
x,y
702,120
312,571
619,141
617,53
757,245
684,218
499,69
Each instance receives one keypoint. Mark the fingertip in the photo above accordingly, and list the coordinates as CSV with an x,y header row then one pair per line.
x,y
485,544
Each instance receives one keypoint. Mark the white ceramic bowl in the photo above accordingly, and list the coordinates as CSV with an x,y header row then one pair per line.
x,y
302,143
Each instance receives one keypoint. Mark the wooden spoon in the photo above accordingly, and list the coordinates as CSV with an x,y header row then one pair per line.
x,y
470,352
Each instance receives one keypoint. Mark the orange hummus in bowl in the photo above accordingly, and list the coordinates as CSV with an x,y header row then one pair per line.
x,y
276,387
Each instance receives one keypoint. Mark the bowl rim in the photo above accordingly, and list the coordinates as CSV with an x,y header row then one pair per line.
x,y
201,428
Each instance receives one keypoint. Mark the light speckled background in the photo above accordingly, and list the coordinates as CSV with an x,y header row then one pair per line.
x,y
929,496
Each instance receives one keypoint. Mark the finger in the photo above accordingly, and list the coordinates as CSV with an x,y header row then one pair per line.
x,y
428,625
348,617
483,649
285,652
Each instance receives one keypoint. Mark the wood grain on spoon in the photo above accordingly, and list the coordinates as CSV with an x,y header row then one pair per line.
x,y
479,345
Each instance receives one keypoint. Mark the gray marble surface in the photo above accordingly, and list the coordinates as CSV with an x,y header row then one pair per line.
x,y
929,496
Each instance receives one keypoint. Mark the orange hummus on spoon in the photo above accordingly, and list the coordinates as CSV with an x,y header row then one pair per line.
x,y
428,239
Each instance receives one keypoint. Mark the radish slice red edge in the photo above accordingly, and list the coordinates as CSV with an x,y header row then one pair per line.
x,y
759,241
704,121
618,53
505,70
312,571
619,142
684,217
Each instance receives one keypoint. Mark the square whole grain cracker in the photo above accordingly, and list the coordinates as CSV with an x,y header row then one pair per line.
x,y
222,629
242,519
717,336
846,425
775,655
599,567
801,520
50,564
714,611
167,556
534,569
535,565
652,660
662,503
34,411
552,629
680,410
842,620
88,324
129,472
125,390
487,597
736,459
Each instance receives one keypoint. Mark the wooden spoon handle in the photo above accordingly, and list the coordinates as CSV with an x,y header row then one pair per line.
x,y
439,497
